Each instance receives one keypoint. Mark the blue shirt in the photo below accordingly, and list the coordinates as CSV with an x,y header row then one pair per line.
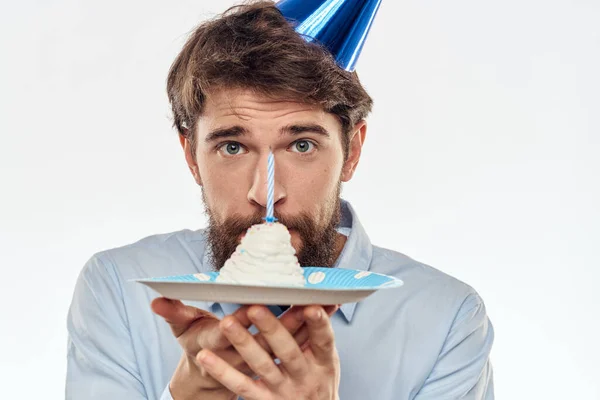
x,y
429,339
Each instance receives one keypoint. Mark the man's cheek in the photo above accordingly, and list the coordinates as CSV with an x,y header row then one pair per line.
x,y
227,202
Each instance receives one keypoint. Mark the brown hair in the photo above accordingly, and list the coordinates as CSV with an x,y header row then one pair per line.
x,y
252,46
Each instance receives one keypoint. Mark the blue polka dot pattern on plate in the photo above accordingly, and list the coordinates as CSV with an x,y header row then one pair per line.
x,y
202,277
192,278
315,278
340,278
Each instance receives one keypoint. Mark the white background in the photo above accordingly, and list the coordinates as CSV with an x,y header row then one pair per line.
x,y
481,160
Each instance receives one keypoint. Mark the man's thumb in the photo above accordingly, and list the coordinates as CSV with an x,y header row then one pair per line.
x,y
177,314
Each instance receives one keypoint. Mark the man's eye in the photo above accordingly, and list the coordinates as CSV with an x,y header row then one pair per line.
x,y
302,146
232,148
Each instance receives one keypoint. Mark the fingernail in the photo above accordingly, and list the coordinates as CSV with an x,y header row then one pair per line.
x,y
258,313
205,358
228,324
316,315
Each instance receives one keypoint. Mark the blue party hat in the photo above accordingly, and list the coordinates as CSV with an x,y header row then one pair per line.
x,y
341,25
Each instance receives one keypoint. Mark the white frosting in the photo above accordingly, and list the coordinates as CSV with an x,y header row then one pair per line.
x,y
264,257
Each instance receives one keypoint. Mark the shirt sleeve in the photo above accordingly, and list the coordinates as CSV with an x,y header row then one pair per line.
x,y
101,363
463,369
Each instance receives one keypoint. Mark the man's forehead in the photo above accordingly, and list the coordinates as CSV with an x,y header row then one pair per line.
x,y
244,113
244,103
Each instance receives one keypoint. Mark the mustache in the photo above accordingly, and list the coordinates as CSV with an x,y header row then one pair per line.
x,y
317,234
238,224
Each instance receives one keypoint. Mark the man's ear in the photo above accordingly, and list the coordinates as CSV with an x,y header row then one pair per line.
x,y
190,157
357,139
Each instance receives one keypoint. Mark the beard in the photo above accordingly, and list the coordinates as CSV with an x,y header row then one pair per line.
x,y
318,238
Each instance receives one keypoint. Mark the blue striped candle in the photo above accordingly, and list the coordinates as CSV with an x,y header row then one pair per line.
x,y
271,187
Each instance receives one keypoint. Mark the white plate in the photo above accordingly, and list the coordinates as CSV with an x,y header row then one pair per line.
x,y
323,286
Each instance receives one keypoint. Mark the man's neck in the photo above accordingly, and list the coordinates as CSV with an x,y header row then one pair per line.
x,y
340,242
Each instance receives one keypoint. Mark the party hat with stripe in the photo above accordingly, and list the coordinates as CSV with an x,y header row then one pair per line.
x,y
340,25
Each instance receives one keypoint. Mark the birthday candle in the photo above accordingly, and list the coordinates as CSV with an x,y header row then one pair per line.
x,y
270,187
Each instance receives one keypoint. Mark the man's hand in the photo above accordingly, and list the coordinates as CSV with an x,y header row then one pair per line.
x,y
196,329
306,372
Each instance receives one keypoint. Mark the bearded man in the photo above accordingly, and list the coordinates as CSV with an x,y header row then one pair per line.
x,y
244,85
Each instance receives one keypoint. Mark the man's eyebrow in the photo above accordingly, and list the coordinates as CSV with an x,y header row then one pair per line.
x,y
233,131
298,129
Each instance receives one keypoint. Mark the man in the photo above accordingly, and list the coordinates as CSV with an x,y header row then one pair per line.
x,y
246,84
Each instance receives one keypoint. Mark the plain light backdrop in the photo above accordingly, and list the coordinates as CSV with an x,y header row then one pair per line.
x,y
482,159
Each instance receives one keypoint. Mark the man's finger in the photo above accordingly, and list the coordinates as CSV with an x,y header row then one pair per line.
x,y
320,333
301,334
233,358
179,316
194,328
229,377
280,340
242,317
255,356
292,321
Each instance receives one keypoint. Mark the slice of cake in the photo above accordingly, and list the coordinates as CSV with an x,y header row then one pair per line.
x,y
265,256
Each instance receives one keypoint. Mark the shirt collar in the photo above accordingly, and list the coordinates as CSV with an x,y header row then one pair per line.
x,y
356,254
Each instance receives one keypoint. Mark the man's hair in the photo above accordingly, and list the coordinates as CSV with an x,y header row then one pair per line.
x,y
254,47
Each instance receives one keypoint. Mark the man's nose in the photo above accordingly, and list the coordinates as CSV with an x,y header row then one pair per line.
x,y
259,190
